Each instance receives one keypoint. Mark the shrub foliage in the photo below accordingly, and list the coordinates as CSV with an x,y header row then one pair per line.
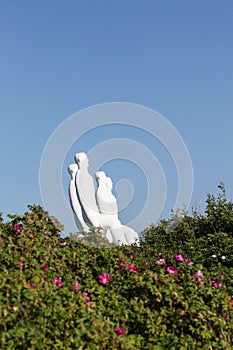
x,y
174,291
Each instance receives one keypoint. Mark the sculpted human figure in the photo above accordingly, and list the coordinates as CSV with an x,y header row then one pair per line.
x,y
96,209
107,204
86,189
74,201
106,201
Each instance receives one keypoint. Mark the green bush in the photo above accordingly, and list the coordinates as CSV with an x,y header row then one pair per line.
x,y
174,291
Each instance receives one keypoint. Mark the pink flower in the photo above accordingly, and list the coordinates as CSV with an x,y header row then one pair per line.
x,y
21,263
58,282
120,331
88,303
32,286
199,279
122,265
179,257
1,239
131,257
217,284
18,228
172,270
132,268
76,286
160,261
44,267
14,255
64,243
222,276
104,279
15,235
199,273
188,262
199,276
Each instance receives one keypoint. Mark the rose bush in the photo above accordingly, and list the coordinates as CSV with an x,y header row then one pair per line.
x,y
168,293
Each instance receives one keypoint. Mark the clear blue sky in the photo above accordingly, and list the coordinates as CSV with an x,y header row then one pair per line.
x,y
58,57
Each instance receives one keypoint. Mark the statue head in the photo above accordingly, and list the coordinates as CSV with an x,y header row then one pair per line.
x,y
81,160
72,169
100,176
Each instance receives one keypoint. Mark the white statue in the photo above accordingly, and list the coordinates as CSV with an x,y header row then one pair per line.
x,y
77,210
96,209
106,201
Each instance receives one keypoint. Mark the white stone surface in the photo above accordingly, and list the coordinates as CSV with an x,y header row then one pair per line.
x,y
74,201
106,201
98,209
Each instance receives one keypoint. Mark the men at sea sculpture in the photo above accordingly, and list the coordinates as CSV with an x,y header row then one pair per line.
x,y
98,209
